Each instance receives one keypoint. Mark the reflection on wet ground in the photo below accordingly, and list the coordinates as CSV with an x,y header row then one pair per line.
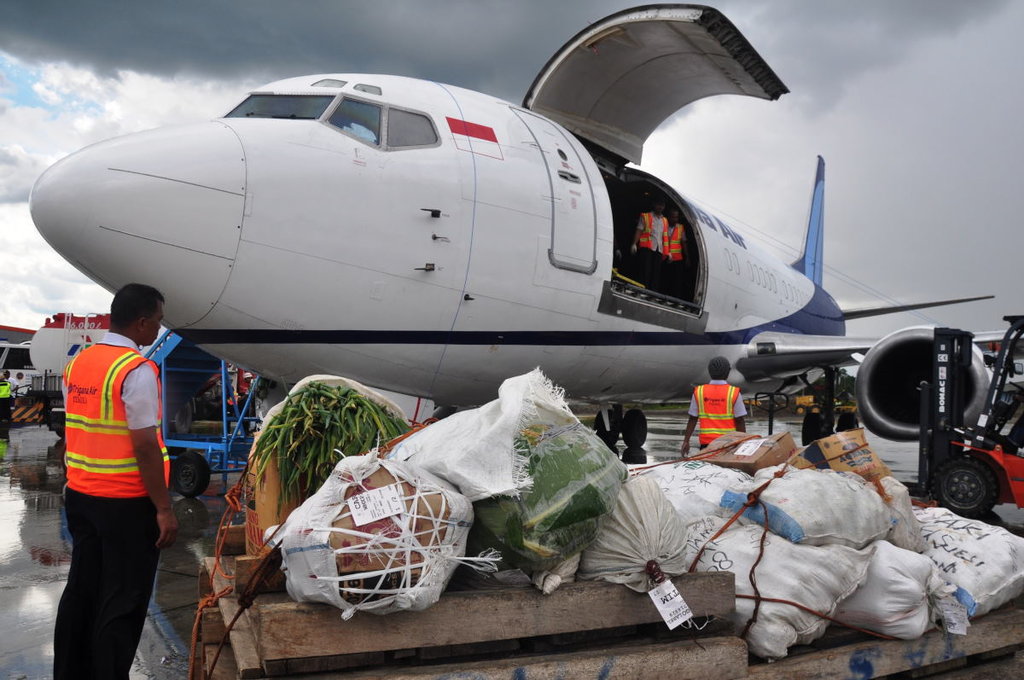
x,y
35,547
35,551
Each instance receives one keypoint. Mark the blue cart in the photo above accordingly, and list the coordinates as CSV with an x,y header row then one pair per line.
x,y
186,371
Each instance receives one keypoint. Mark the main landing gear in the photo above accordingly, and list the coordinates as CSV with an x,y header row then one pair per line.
x,y
610,423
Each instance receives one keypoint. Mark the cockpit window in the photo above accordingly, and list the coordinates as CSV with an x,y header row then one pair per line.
x,y
330,82
360,119
293,106
409,129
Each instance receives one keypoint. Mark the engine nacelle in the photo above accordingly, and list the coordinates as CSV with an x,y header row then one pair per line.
x,y
888,381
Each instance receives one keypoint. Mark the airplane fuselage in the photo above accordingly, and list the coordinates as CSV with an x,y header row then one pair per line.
x,y
478,246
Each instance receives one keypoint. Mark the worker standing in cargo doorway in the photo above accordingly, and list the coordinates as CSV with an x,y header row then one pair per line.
x,y
5,397
117,503
674,268
718,406
649,244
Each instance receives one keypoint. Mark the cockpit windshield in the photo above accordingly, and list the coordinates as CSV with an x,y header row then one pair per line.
x,y
292,106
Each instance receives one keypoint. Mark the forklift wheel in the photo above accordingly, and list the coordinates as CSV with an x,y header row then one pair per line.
x,y
967,486
190,474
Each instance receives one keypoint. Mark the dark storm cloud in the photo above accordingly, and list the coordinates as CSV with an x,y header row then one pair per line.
x,y
492,45
467,43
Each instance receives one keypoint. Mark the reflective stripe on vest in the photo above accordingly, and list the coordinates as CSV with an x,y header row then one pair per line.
x,y
647,235
674,243
715,408
100,457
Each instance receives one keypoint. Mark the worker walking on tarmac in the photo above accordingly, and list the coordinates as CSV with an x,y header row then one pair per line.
x,y
717,405
117,503
5,396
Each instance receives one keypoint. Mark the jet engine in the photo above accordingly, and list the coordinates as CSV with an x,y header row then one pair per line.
x,y
888,394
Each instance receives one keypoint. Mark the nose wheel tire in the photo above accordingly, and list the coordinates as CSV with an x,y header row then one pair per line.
x,y
967,486
190,474
634,428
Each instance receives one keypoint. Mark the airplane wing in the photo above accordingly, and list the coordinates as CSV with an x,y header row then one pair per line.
x,y
619,79
850,314
772,354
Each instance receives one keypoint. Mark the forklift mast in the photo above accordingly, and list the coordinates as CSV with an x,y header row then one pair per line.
x,y
942,401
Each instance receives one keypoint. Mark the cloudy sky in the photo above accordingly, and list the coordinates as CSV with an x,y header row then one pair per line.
x,y
914,104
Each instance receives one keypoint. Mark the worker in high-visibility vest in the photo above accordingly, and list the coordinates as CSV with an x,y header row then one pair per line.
x,y
674,269
5,396
717,405
117,502
649,244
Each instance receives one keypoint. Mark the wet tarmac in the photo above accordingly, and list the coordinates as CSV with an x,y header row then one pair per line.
x,y
35,548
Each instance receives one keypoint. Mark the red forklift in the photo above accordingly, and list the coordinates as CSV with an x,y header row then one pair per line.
x,y
970,467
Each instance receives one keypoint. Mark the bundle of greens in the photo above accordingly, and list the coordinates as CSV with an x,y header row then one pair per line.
x,y
576,482
313,429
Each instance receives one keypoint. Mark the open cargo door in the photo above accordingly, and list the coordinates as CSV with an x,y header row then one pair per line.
x,y
615,82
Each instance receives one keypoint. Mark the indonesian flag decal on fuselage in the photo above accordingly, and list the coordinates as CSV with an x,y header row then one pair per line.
x,y
475,138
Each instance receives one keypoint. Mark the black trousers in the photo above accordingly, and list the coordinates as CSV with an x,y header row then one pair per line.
x,y
5,408
650,268
113,565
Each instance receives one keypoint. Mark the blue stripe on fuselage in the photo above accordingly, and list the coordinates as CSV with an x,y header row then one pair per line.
x,y
821,316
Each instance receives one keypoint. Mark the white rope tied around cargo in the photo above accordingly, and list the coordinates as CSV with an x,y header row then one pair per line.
x,y
397,553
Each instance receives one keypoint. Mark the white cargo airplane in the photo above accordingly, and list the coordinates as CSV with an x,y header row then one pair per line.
x,y
433,241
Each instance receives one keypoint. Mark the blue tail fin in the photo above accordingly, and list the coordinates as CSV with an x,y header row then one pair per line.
x,y
810,263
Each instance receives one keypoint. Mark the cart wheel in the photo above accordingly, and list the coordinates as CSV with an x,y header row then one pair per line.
x,y
190,474
967,486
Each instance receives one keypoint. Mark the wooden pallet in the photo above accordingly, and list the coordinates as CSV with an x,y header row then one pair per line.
x,y
277,637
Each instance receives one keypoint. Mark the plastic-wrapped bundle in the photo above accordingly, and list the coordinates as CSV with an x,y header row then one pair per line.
x,y
379,536
644,526
694,488
817,577
987,561
815,507
576,481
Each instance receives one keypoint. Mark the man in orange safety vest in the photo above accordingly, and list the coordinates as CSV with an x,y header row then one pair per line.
x,y
718,406
649,244
117,503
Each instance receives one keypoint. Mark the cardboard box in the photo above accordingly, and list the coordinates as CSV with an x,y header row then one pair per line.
x,y
747,452
843,452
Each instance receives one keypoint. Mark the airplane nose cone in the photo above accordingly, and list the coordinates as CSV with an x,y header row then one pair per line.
x,y
162,207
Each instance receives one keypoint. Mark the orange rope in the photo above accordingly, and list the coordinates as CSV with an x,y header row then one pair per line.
x,y
206,601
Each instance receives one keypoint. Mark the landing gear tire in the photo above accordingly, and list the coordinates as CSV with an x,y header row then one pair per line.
x,y
967,486
609,437
190,474
847,421
634,429
811,428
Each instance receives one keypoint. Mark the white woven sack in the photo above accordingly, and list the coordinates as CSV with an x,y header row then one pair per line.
x,y
896,597
475,449
906,529
309,561
815,507
817,577
695,488
987,561
644,526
